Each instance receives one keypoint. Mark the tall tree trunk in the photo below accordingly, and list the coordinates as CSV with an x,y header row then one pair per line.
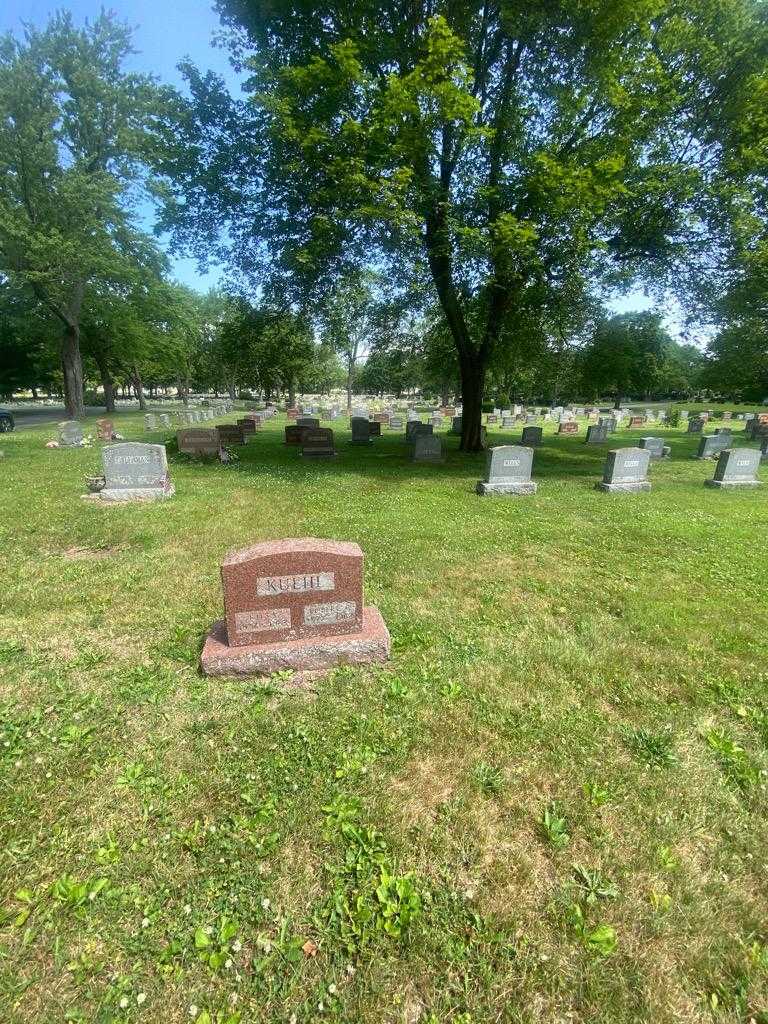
x,y
291,393
72,365
34,393
349,391
138,387
472,389
106,380
617,403
232,390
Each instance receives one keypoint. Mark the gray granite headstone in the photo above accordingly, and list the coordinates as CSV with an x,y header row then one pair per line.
x,y
532,436
361,430
307,421
626,469
597,434
695,425
134,471
656,446
710,445
427,448
165,419
456,425
70,434
415,428
736,467
395,422
508,471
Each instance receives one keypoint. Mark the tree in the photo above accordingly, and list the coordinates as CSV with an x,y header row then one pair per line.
x,y
73,138
626,355
506,148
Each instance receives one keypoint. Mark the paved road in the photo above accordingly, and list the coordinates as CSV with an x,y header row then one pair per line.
x,y
26,418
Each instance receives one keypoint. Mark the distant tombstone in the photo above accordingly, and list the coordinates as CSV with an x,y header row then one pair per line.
x,y
395,422
636,421
105,429
491,419
231,433
710,445
727,416
416,429
134,471
597,433
456,425
292,414
413,415
695,425
449,411
150,421
736,467
294,605
294,433
532,436
626,469
308,421
199,441
70,434
427,448
374,429
568,427
334,414
381,417
436,420
165,419
530,419
507,421
361,430
247,426
656,446
317,443
508,471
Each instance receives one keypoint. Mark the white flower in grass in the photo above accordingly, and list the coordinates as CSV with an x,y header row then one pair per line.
x,y
265,904
141,997
145,922
193,1011
124,1003
237,946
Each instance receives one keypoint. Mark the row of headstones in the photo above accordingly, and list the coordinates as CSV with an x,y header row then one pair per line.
x,y
203,442
136,471
509,468
153,421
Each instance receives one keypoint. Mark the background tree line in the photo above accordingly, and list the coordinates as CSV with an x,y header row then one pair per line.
x,y
436,202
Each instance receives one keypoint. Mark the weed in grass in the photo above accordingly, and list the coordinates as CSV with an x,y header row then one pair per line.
x,y
592,885
656,749
737,765
595,794
488,778
554,827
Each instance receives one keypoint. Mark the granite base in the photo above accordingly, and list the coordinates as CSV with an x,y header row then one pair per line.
x,y
639,485
310,654
522,488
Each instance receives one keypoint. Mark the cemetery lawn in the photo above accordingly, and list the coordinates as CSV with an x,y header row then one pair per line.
x,y
550,806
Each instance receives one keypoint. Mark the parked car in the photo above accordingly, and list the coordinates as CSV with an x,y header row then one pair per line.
x,y
6,421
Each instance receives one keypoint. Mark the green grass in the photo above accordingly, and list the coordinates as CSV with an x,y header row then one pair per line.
x,y
549,806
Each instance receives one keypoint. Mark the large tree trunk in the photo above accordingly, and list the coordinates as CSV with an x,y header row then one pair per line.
x,y
106,380
472,389
349,392
138,387
291,394
72,365
617,403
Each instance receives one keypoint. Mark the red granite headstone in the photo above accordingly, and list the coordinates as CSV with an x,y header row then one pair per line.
x,y
294,604
292,414
231,433
568,427
106,429
637,421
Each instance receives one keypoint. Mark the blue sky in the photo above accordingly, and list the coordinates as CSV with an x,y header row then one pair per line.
x,y
165,32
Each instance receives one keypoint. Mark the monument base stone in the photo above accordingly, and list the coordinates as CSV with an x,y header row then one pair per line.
x,y
310,654
635,485
522,488
136,493
732,483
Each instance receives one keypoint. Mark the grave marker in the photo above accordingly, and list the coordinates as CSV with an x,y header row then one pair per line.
x,y
626,469
736,467
294,605
656,446
70,434
361,430
508,471
105,429
532,436
134,471
317,443
427,448
199,441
